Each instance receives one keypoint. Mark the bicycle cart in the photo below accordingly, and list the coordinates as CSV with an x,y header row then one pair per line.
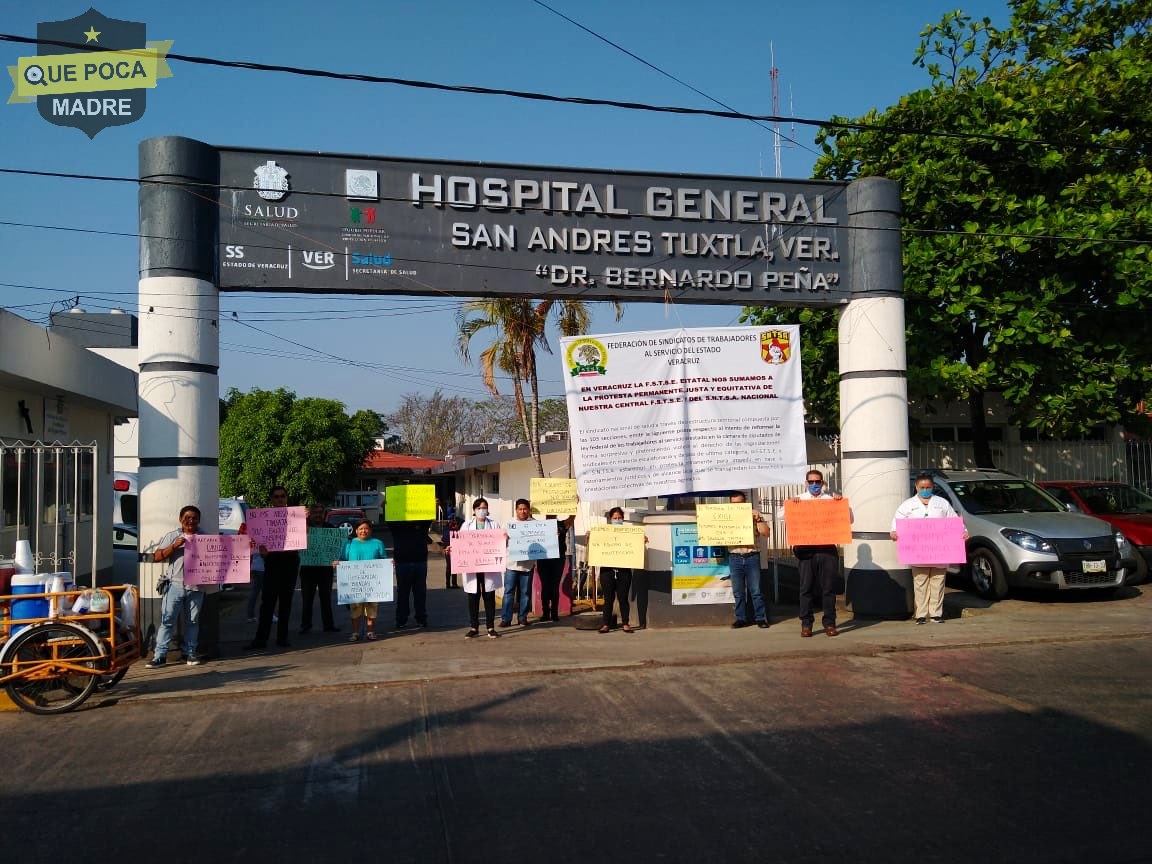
x,y
50,663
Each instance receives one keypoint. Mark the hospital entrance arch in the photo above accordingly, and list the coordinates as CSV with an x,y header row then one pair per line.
x,y
224,219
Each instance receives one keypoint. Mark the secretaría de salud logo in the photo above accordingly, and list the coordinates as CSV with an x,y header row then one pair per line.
x,y
103,81
587,356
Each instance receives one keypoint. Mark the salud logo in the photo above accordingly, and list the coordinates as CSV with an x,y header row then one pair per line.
x,y
98,77
271,181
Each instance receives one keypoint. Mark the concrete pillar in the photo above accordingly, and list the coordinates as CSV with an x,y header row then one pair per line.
x,y
874,399
179,431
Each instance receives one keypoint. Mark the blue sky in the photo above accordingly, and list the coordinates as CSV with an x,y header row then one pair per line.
x,y
838,57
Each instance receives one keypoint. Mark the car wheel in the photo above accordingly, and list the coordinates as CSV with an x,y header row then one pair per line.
x,y
1140,574
987,574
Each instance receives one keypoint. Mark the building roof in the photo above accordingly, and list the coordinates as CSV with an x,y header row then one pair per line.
x,y
381,460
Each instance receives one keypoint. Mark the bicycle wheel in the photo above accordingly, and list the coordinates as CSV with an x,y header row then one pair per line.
x,y
107,682
44,686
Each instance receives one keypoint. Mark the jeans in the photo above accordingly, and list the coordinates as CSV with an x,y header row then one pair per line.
x,y
177,598
513,580
411,581
745,570
255,587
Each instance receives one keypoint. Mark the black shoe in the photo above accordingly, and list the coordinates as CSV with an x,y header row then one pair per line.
x,y
255,646
492,634
504,623
523,622
304,631
763,625
736,625
423,624
156,663
402,625
472,633
937,620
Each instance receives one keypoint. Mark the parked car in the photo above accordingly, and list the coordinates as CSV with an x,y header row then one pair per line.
x,y
1124,507
233,513
343,517
125,499
1020,536
125,555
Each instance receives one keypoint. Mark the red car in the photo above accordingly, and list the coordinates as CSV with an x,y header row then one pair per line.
x,y
1124,507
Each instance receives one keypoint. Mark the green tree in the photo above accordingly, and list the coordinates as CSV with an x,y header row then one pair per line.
x,y
518,328
310,446
1025,177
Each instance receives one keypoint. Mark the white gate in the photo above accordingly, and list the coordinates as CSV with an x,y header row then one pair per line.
x,y
48,498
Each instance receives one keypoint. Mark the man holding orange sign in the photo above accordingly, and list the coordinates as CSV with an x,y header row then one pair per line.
x,y
814,531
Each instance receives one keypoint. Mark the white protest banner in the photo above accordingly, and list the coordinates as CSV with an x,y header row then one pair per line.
x,y
365,581
555,495
279,529
324,546
478,551
533,540
725,524
616,546
217,559
671,411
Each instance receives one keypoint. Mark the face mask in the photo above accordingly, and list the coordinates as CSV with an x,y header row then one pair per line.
x,y
617,521
481,513
924,493
815,488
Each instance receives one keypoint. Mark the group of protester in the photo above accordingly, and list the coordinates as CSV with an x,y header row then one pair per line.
x,y
818,569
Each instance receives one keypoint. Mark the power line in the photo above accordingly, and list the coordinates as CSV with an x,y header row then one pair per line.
x,y
663,72
830,123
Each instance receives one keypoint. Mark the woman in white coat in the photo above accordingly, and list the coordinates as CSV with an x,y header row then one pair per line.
x,y
481,585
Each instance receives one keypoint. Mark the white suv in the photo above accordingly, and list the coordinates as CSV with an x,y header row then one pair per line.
x,y
1020,536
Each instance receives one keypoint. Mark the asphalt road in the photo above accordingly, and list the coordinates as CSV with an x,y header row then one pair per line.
x,y
1033,752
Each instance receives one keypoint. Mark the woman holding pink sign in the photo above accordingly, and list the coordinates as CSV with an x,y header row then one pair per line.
x,y
927,579
480,585
176,597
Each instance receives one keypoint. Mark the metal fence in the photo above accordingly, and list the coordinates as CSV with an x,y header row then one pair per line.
x,y
48,497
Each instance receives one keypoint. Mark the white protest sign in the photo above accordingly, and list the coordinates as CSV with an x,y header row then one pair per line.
x,y
365,581
672,411
533,540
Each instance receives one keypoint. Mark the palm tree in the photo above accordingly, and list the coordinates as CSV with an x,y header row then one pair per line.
x,y
519,329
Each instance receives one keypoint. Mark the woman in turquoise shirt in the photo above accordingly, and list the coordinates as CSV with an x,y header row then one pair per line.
x,y
363,547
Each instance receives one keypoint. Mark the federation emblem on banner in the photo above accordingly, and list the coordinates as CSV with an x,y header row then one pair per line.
x,y
587,356
775,346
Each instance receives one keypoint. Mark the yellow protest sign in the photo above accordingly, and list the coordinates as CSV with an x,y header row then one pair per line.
x,y
616,546
725,524
409,503
555,495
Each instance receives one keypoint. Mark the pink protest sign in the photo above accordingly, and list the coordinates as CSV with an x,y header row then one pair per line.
x,y
478,551
279,529
217,559
930,541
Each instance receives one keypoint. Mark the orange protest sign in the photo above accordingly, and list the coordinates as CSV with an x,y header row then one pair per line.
x,y
817,522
